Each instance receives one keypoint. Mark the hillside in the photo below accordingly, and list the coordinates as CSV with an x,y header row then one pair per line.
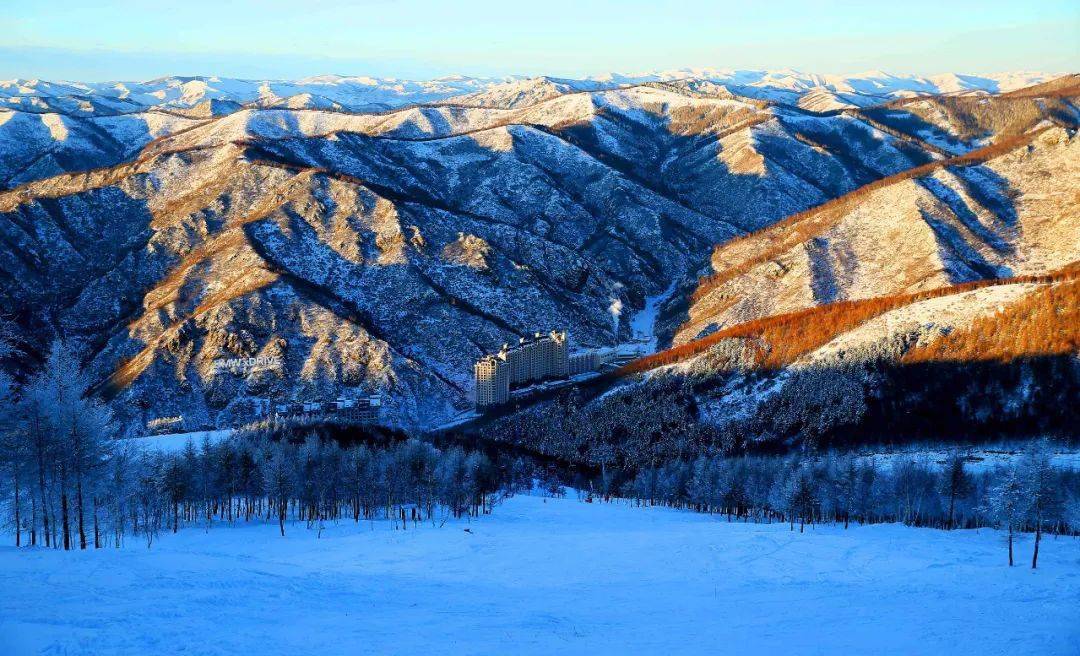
x,y
961,363
52,127
360,93
384,251
1001,214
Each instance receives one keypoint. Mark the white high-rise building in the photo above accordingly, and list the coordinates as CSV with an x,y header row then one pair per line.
x,y
492,373
538,357
584,362
533,359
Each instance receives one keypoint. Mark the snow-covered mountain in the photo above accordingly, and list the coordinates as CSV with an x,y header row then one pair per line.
x,y
1015,215
359,93
336,91
172,223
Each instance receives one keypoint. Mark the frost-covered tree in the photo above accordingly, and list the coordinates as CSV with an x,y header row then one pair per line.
x,y
175,481
1045,501
14,453
846,487
808,489
68,434
134,492
704,483
816,401
955,483
914,491
150,505
1071,510
1008,503
117,489
802,496
450,479
279,479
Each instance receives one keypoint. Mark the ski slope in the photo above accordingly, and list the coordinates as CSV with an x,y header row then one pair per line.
x,y
176,442
546,576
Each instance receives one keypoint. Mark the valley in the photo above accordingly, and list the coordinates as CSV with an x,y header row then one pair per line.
x,y
384,251
491,328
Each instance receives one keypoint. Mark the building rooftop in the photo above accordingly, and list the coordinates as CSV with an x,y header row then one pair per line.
x,y
536,337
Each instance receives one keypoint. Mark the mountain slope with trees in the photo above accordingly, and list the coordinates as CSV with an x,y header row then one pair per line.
x,y
382,252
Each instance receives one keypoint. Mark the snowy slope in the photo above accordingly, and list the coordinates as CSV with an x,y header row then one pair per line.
x,y
330,237
546,576
176,442
35,145
523,93
1014,215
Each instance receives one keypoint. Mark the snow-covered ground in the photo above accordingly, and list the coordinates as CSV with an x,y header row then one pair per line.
x,y
545,577
977,458
175,442
643,323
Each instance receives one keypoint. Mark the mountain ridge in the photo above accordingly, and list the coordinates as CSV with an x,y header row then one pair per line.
x,y
363,93
385,251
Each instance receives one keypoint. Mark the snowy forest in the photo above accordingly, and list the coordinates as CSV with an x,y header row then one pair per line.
x,y
685,412
71,484
1028,495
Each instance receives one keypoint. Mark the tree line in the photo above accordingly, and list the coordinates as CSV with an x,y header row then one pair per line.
x,y
1028,495
781,339
68,483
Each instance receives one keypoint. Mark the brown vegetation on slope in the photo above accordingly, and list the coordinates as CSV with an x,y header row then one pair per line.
x,y
1065,86
237,285
719,121
789,336
233,284
231,238
1045,322
974,117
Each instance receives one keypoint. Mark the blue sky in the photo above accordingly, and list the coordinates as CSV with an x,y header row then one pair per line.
x,y
126,39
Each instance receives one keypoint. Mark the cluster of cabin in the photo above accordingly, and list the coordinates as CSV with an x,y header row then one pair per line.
x,y
363,410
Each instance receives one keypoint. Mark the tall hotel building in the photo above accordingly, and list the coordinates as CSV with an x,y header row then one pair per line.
x,y
533,359
492,380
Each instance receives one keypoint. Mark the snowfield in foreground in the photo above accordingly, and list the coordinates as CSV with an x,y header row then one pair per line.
x,y
542,577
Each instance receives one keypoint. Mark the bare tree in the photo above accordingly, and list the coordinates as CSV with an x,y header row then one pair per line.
x,y
955,483
13,452
279,473
1007,503
1044,498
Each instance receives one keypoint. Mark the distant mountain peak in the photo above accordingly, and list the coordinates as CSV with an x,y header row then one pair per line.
x,y
363,93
